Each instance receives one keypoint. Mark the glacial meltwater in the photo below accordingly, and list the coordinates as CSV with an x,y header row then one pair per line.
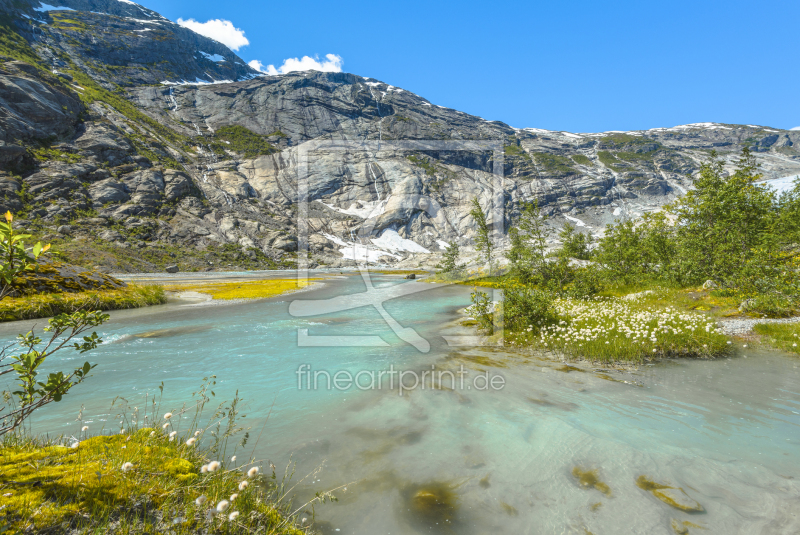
x,y
675,447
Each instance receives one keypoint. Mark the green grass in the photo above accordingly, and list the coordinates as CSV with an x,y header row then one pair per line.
x,y
15,46
52,304
428,166
516,151
554,164
44,154
785,336
582,159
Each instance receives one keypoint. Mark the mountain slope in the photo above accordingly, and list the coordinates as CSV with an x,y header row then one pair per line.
x,y
144,173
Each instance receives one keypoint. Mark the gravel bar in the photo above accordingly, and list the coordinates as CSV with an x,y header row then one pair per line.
x,y
743,326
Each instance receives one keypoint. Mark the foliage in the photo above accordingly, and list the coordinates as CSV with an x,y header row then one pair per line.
x,y
449,263
13,45
574,244
528,238
428,166
15,258
482,310
483,240
527,307
729,229
51,304
608,159
34,394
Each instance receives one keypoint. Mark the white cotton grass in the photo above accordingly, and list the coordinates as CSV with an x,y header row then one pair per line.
x,y
222,506
165,425
84,428
233,459
252,472
168,416
234,496
172,435
204,469
233,516
197,433
213,466
201,499
619,329
191,441
127,466
243,485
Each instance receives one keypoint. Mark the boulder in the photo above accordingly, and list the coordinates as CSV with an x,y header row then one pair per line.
x,y
411,276
710,285
171,269
57,277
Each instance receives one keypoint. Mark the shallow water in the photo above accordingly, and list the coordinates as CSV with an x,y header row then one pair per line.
x,y
554,451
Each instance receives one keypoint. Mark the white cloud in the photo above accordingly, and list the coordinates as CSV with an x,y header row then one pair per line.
x,y
332,63
219,30
796,128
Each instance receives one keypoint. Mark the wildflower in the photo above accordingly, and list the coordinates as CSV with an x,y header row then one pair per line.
x,y
252,472
243,485
234,496
233,459
221,506
127,466
204,469
84,428
233,516
655,350
165,425
191,441
197,433
213,466
201,500
172,435
168,416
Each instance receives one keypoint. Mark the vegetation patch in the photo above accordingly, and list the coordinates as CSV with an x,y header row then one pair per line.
x,y
619,141
52,304
785,336
241,140
145,481
609,160
243,290
554,163
582,159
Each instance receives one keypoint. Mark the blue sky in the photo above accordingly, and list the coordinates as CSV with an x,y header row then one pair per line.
x,y
576,66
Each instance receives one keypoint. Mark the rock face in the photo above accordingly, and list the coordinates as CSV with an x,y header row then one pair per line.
x,y
131,161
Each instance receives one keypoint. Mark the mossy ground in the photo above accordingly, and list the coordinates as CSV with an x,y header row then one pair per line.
x,y
52,489
51,304
243,290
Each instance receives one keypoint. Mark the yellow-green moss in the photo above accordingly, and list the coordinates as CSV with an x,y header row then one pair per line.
x,y
57,488
588,479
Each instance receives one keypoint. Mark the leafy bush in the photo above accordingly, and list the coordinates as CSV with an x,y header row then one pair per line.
x,y
527,308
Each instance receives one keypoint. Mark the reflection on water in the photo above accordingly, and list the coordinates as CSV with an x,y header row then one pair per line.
x,y
558,450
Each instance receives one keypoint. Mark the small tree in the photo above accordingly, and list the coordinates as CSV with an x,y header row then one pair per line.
x,y
14,256
574,244
34,394
529,242
483,240
449,263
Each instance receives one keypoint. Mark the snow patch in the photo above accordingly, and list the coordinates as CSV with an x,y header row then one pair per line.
x,y
443,244
782,184
617,211
47,7
578,222
364,210
392,241
197,81
212,57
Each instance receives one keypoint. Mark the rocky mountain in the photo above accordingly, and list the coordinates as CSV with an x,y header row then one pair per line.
x,y
104,143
